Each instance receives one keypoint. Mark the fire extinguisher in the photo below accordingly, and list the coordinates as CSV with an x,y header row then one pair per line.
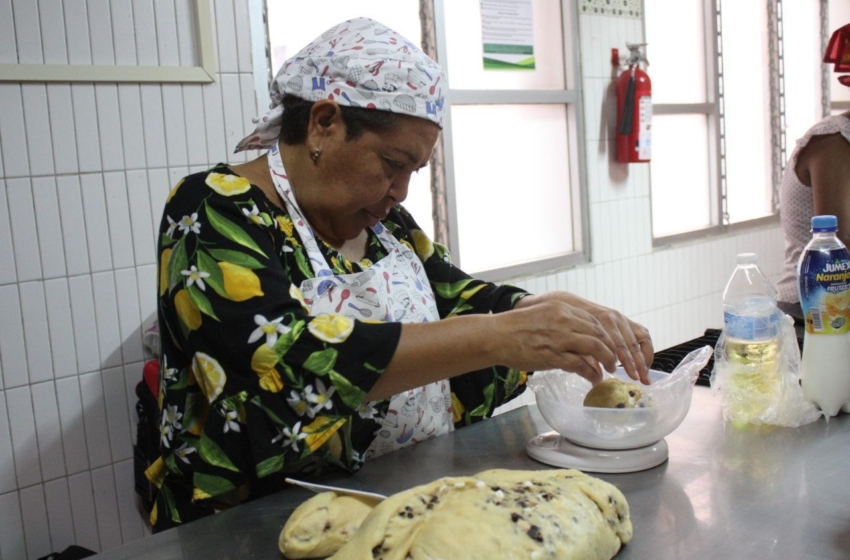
x,y
634,108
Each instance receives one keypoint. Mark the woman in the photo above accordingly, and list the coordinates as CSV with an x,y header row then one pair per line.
x,y
817,177
308,321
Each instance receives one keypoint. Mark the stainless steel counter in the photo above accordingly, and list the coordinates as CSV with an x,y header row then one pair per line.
x,y
723,494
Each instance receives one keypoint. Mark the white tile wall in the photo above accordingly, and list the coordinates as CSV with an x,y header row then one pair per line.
x,y
71,419
49,226
37,338
123,32
15,159
83,513
24,236
84,172
12,349
24,443
34,514
8,49
48,430
8,482
61,108
27,32
97,222
109,126
106,507
58,503
85,127
132,127
39,142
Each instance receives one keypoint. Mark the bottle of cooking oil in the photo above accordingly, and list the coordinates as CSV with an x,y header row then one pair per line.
x,y
823,279
751,322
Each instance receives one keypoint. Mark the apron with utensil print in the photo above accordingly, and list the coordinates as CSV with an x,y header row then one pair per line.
x,y
392,289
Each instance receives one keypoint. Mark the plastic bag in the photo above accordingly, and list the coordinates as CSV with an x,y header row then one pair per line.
x,y
682,379
765,392
666,388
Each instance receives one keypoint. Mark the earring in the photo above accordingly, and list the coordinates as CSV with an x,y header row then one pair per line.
x,y
315,155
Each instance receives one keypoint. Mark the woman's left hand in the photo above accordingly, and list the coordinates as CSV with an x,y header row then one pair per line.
x,y
633,342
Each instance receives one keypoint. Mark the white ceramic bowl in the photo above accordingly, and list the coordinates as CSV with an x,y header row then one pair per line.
x,y
560,396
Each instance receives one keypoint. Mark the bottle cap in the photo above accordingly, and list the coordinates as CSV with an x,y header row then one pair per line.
x,y
824,223
747,258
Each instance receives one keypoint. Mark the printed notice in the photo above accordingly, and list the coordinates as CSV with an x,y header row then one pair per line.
x,y
507,31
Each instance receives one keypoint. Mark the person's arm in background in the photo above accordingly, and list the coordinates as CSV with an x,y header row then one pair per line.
x,y
825,166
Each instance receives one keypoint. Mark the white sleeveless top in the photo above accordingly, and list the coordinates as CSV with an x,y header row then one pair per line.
x,y
797,207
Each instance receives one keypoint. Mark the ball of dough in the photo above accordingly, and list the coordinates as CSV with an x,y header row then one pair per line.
x,y
614,393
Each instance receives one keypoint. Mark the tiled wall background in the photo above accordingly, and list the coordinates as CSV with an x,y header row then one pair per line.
x,y
84,172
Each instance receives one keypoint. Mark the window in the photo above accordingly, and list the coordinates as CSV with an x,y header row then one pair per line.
x,y
533,180
683,123
724,119
803,52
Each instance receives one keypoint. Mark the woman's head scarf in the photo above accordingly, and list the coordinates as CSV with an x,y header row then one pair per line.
x,y
357,63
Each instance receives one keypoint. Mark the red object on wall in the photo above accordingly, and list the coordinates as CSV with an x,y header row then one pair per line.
x,y
634,116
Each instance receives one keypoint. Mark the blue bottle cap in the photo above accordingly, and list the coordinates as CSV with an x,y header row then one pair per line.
x,y
824,223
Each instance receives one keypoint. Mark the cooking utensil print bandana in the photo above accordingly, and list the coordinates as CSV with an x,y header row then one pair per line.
x,y
357,63
394,288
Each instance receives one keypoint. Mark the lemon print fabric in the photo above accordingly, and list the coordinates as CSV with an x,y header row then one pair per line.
x,y
187,311
240,283
332,328
424,246
174,190
251,384
209,375
163,270
228,185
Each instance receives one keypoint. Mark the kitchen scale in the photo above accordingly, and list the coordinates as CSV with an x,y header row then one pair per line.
x,y
551,448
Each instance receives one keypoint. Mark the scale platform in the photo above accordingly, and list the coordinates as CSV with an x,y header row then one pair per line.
x,y
551,448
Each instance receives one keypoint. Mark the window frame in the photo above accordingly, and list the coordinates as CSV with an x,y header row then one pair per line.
x,y
713,110
571,98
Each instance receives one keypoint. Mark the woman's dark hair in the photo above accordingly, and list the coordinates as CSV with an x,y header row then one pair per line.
x,y
296,116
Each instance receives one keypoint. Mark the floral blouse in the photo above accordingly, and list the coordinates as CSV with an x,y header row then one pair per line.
x,y
253,388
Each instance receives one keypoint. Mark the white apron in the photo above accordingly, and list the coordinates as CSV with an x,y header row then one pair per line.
x,y
394,289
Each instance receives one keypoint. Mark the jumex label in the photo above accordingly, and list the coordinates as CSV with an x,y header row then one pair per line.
x,y
824,282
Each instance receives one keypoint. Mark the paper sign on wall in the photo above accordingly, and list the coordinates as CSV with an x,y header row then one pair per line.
x,y
507,31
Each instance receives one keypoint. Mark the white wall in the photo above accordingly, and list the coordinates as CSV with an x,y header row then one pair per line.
x,y
84,171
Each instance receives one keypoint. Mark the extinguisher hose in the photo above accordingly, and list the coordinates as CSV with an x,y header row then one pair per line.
x,y
628,108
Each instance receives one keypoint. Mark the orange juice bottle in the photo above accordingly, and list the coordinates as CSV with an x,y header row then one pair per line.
x,y
823,279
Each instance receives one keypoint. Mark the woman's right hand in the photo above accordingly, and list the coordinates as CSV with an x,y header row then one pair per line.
x,y
553,334
552,331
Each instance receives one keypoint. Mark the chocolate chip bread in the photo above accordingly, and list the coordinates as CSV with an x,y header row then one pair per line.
x,y
322,525
550,514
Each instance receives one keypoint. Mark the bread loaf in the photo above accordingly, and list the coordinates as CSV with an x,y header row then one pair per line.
x,y
555,514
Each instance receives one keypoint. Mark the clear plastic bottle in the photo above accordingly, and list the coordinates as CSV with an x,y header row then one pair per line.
x,y
823,279
751,321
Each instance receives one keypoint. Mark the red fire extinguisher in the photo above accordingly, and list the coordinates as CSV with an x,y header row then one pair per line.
x,y
634,109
